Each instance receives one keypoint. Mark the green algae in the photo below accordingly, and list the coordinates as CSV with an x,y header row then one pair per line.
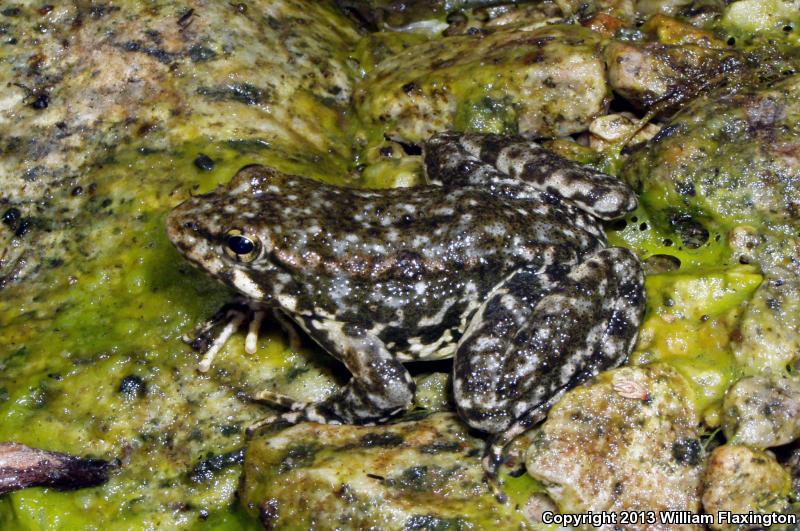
x,y
689,322
119,310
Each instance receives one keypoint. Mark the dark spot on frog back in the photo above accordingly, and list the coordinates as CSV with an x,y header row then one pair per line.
x,y
407,265
441,447
491,147
619,326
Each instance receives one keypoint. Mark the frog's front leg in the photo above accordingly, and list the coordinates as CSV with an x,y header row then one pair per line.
x,y
211,336
380,386
541,334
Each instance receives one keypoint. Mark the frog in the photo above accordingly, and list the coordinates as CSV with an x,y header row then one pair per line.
x,y
498,261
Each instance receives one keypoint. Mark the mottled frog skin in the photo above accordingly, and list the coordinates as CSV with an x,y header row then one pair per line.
x,y
500,262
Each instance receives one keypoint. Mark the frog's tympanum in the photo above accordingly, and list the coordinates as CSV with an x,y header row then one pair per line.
x,y
499,262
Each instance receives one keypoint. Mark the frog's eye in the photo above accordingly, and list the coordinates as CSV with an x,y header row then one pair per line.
x,y
241,247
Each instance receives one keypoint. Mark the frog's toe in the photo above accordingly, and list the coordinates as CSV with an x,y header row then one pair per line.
x,y
209,338
203,335
251,340
494,453
236,319
281,401
303,412
289,328
290,417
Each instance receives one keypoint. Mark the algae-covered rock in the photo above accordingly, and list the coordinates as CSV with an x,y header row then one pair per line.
x,y
689,322
627,440
728,158
727,167
659,77
545,82
109,116
738,480
762,411
422,474
112,113
80,80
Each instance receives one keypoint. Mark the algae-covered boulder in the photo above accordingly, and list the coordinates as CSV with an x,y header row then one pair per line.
x,y
762,411
727,168
688,324
113,113
110,114
738,480
423,474
728,158
81,81
626,441
545,82
659,77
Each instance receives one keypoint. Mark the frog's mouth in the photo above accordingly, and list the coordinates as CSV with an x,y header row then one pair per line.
x,y
194,241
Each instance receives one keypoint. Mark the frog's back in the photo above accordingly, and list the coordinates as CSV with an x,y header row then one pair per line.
x,y
380,235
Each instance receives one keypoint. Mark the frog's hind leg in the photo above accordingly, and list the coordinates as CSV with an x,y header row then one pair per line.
x,y
521,165
534,338
449,163
379,389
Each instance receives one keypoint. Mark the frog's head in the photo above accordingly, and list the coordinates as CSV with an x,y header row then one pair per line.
x,y
226,232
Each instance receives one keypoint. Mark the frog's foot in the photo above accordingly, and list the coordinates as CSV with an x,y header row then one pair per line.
x,y
280,401
494,453
334,410
211,336
525,164
289,328
289,417
299,412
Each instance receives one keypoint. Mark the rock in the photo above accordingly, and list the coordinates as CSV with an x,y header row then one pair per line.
x,y
738,480
626,441
545,82
762,411
414,474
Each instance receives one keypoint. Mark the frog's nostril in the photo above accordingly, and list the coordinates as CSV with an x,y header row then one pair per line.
x,y
191,225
